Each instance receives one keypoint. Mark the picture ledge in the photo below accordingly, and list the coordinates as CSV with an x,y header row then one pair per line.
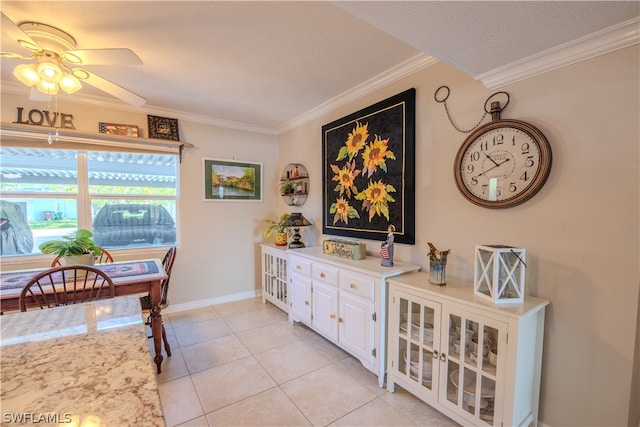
x,y
21,132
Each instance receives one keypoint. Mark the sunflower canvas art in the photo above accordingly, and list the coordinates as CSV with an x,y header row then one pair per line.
x,y
368,171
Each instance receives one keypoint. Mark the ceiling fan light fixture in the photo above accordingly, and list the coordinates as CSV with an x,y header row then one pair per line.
x,y
49,71
69,83
54,56
79,73
28,45
71,57
11,55
47,88
27,74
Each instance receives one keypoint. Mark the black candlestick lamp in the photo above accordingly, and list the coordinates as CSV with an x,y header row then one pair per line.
x,y
295,221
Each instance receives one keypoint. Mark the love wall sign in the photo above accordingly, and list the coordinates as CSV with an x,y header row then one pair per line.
x,y
45,118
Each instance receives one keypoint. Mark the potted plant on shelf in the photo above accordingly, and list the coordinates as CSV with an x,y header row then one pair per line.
x,y
79,249
286,187
282,233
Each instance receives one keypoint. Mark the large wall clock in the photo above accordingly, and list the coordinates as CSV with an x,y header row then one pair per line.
x,y
502,163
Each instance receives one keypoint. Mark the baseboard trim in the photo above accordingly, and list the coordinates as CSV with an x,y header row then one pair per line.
x,y
174,308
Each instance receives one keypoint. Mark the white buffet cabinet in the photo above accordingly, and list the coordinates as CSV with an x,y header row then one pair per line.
x,y
345,301
443,337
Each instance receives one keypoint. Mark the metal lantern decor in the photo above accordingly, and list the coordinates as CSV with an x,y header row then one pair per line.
x,y
499,273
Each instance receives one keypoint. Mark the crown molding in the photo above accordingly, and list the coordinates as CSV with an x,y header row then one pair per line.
x,y
404,69
111,104
599,43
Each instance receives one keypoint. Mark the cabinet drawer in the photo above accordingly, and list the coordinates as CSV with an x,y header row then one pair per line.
x,y
359,285
325,272
301,265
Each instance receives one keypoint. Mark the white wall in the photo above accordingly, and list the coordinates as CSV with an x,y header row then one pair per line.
x,y
580,231
220,240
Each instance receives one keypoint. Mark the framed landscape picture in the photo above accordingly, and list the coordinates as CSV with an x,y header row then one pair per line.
x,y
368,171
231,180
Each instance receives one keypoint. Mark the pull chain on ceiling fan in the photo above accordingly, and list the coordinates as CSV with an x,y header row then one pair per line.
x,y
57,61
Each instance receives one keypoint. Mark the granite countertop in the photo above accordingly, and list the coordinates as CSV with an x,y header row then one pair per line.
x,y
72,364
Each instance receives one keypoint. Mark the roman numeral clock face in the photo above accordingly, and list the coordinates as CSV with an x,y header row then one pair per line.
x,y
502,164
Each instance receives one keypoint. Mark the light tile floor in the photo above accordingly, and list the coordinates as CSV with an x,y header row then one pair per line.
x,y
243,364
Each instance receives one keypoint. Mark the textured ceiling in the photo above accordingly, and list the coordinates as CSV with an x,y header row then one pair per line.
x,y
479,36
267,63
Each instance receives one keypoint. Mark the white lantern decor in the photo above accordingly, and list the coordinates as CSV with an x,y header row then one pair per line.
x,y
499,273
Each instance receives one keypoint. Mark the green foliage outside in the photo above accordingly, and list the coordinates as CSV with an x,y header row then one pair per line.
x,y
94,189
53,225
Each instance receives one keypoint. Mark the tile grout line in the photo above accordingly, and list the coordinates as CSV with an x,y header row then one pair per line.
x,y
311,339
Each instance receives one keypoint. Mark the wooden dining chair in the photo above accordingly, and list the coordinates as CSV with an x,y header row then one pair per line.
x,y
104,258
69,284
145,301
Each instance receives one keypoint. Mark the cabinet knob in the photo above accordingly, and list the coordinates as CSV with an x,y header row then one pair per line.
x,y
435,354
332,316
298,267
322,275
353,286
443,357
306,303
340,320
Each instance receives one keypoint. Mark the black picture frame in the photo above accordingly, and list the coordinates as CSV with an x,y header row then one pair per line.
x,y
360,199
163,128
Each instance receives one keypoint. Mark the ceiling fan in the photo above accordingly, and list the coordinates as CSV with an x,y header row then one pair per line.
x,y
58,63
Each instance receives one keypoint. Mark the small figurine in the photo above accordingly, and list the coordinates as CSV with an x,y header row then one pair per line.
x,y
386,249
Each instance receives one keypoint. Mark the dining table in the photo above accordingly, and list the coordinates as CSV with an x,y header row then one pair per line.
x,y
80,364
129,277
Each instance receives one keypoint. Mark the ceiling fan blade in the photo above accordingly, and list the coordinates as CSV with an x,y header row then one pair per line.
x,y
113,89
117,56
15,40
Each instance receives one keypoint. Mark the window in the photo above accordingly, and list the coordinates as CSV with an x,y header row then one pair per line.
x,y
126,199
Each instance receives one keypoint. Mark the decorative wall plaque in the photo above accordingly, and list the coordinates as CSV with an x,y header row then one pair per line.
x,y
344,249
163,128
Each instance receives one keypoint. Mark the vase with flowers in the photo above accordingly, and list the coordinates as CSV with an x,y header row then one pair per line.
x,y
437,265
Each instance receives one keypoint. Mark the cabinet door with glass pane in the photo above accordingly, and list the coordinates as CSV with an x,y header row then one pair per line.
x,y
447,356
274,277
414,335
485,360
471,382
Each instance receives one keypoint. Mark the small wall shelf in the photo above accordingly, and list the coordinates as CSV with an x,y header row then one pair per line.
x,y
22,132
294,184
